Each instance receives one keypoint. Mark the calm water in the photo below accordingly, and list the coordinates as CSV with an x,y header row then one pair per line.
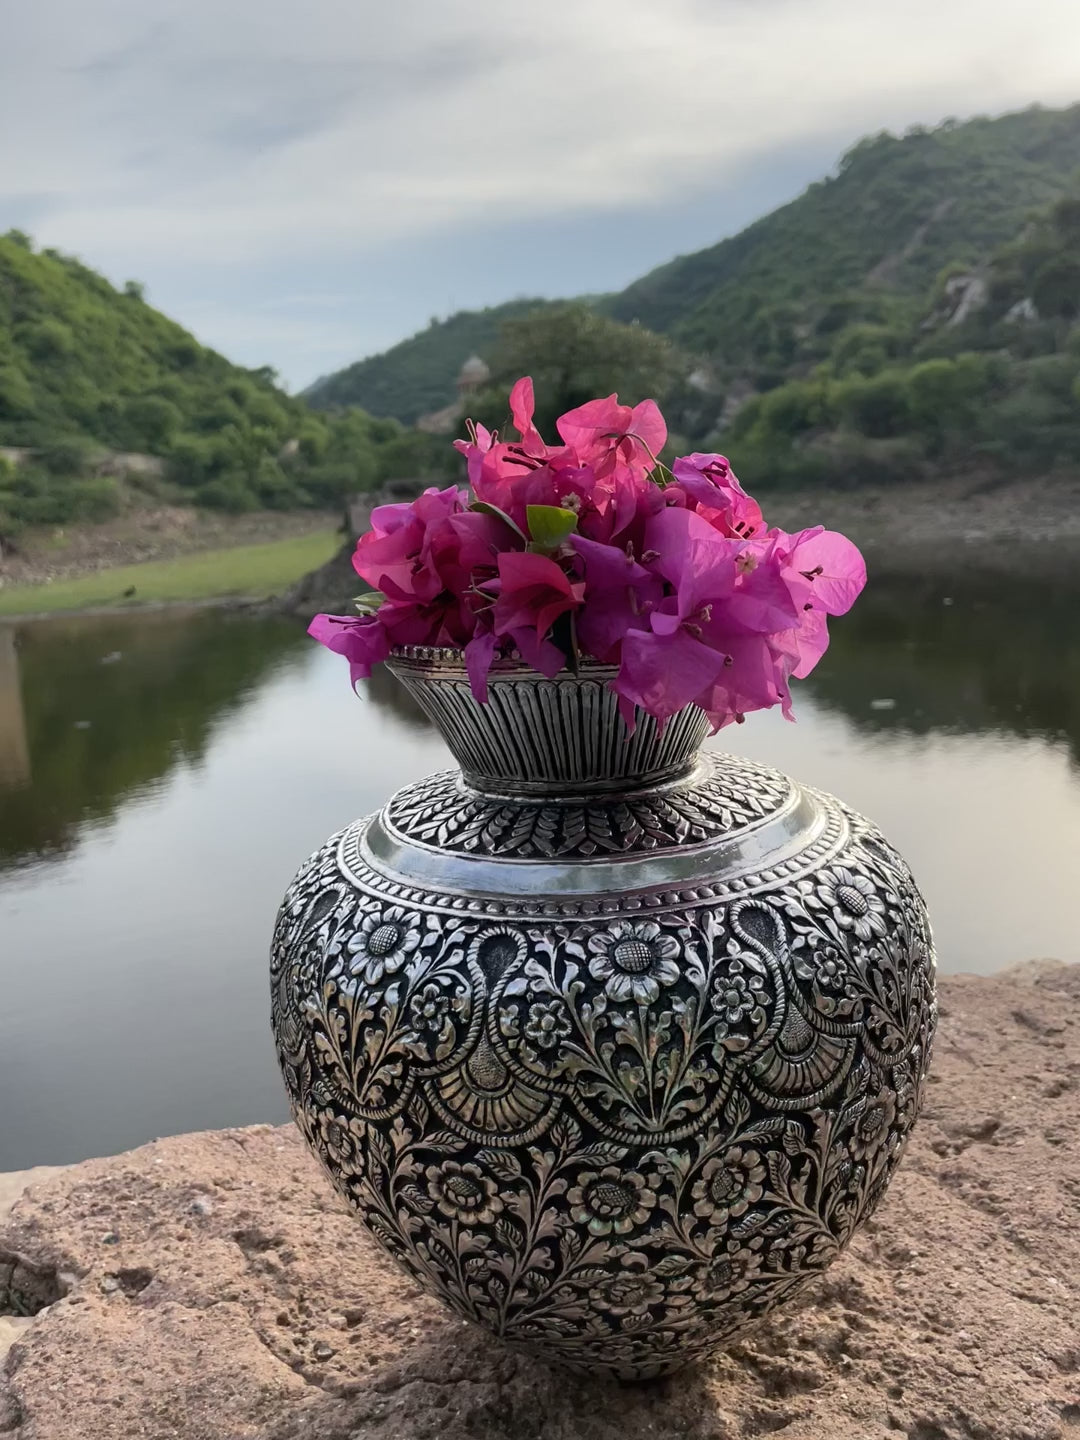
x,y
162,776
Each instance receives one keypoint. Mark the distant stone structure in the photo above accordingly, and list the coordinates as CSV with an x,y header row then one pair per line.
x,y
441,422
473,376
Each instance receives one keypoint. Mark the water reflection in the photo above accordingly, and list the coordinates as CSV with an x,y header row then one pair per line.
x,y
966,656
14,750
162,776
97,710
387,693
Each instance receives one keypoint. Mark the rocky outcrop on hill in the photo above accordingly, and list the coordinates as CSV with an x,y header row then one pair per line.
x,y
211,1287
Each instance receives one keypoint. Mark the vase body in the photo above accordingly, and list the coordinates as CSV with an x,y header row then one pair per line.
x,y
611,1043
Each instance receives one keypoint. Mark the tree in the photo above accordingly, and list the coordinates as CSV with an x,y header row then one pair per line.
x,y
575,354
1055,290
942,394
16,395
153,422
877,406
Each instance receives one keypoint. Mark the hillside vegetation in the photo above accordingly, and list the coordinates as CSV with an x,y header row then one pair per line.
x,y
802,343
87,369
984,376
417,376
878,231
914,313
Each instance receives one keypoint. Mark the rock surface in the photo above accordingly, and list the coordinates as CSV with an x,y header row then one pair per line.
x,y
212,1287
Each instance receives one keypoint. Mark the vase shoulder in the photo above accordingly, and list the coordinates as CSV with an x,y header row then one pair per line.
x,y
728,829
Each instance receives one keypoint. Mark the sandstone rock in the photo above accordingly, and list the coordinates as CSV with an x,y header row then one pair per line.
x,y
238,1298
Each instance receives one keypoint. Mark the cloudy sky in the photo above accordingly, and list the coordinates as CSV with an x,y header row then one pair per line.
x,y
302,182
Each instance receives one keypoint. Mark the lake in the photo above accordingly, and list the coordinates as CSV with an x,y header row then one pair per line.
x,y
163,774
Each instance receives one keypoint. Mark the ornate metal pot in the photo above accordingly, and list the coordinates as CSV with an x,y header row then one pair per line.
x,y
611,1043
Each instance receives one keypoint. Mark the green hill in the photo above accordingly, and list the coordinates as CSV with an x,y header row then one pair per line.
x,y
87,369
982,375
78,357
897,211
416,377
861,246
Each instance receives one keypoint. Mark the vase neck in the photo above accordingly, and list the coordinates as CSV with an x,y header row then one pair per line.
x,y
542,737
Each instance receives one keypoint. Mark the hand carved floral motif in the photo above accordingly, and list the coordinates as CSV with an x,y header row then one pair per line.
x,y
620,1137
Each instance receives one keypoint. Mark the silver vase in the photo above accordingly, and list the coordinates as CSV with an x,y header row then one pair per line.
x,y
610,1042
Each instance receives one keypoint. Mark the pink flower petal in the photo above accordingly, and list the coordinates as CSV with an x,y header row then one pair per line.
x,y
692,557
664,674
522,406
533,591
836,565
479,655
360,638
647,424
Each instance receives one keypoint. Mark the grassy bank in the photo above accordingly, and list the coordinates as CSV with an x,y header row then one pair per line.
x,y
246,570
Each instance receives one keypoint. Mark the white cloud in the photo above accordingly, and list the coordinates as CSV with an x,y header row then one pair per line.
x,y
240,133
244,129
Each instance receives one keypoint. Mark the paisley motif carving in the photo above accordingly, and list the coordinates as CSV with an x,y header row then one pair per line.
x,y
620,1126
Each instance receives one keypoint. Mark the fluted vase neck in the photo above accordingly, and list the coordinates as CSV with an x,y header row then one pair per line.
x,y
539,736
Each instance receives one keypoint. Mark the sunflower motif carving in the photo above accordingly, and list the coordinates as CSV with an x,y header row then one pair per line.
x,y
619,1127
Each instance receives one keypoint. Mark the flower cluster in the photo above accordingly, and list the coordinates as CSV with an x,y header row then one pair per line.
x,y
592,547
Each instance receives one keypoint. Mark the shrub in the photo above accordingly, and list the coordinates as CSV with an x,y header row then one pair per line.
x,y
49,340
152,422
876,406
69,455
94,499
230,493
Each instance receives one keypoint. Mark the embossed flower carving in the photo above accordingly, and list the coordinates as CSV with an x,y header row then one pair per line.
x,y
612,1201
854,902
633,960
382,943
463,1192
429,1009
873,1124
547,1024
741,995
630,1291
729,1185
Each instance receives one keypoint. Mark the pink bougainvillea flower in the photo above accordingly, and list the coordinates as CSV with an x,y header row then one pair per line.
x,y
810,640
603,432
687,552
754,677
464,550
619,595
394,556
680,586
761,602
533,592
710,482
664,673
541,655
360,638
829,564
824,573
522,406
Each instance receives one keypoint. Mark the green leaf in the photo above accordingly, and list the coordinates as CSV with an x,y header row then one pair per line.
x,y
483,508
369,602
549,525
